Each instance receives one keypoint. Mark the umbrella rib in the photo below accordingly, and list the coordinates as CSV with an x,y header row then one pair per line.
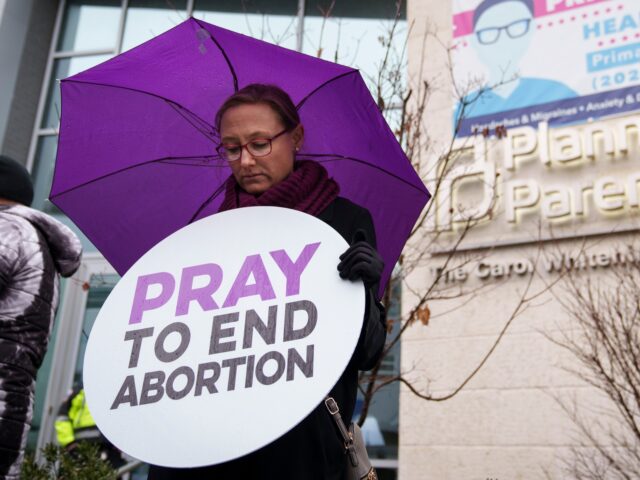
x,y
158,160
301,102
167,162
224,54
178,109
137,90
333,157
207,202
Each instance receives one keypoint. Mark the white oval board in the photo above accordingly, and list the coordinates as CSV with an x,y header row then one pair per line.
x,y
177,319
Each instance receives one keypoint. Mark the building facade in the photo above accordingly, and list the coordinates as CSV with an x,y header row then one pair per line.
x,y
532,129
531,148
43,41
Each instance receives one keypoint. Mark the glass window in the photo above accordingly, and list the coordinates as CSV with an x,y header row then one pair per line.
x,y
273,21
43,168
380,429
353,33
149,18
100,287
90,25
63,68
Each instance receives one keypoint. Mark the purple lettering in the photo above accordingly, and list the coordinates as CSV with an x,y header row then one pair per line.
x,y
241,288
293,270
202,295
140,301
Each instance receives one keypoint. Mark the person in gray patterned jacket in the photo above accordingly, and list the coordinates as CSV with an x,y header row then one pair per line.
x,y
35,250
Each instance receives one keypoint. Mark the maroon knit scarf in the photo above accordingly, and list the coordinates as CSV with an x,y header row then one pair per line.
x,y
307,189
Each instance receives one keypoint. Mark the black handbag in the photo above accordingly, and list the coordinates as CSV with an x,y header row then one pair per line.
x,y
358,463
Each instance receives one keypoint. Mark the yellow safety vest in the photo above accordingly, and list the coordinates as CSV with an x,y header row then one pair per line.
x,y
69,425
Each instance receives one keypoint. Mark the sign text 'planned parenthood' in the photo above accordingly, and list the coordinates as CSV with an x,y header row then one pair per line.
x,y
235,321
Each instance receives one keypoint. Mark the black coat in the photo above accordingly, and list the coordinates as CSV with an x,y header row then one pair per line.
x,y
35,249
311,450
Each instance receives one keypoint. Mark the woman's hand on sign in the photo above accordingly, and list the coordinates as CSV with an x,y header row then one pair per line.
x,y
361,261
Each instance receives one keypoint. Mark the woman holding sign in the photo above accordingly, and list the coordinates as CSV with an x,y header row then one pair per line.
x,y
261,132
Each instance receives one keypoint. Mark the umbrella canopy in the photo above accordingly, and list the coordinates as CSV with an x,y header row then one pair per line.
x,y
136,154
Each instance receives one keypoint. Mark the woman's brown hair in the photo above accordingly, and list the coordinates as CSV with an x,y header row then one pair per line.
x,y
274,96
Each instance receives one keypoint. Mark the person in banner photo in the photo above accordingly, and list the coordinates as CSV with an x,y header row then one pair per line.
x,y
260,133
35,250
502,34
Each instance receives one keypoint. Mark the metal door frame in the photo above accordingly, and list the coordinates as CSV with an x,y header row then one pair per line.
x,y
71,313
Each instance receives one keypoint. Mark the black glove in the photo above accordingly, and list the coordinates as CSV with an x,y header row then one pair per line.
x,y
361,261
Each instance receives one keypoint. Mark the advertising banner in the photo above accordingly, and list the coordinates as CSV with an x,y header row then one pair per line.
x,y
222,337
522,62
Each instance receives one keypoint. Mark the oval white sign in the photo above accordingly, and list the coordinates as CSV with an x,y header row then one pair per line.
x,y
222,337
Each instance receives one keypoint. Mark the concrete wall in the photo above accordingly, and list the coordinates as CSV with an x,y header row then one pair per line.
x,y
14,22
26,28
507,422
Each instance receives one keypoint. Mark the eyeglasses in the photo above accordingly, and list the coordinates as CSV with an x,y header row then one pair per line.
x,y
517,29
258,147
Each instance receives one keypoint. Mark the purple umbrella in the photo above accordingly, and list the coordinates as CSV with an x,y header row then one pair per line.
x,y
136,155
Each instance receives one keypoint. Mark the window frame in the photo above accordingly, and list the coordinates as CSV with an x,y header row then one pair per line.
x,y
74,299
